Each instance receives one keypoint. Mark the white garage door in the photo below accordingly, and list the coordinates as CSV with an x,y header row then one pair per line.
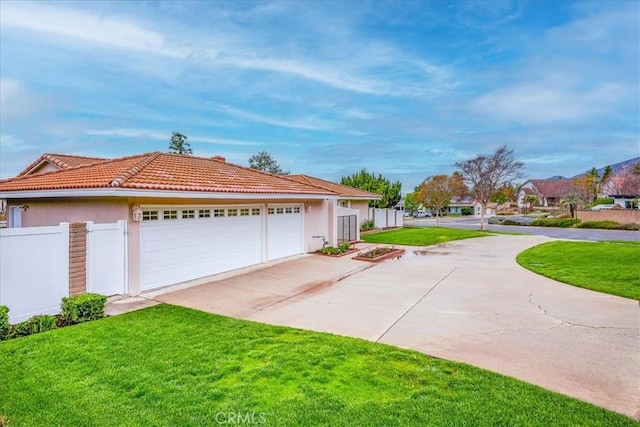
x,y
284,231
184,243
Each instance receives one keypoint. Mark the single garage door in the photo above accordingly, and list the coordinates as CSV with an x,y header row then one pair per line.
x,y
284,231
186,243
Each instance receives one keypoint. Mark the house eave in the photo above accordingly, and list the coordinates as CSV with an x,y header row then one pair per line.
x,y
359,198
120,192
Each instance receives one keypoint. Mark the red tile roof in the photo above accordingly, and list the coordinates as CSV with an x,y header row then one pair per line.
x,y
343,190
62,161
554,187
163,171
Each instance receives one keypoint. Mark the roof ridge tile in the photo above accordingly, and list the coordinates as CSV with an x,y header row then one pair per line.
x,y
135,169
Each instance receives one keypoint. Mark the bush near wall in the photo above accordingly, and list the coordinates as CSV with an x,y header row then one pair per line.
x,y
608,225
82,308
555,222
5,326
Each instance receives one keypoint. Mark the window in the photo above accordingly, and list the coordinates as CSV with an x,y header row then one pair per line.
x,y
232,212
188,214
271,211
170,214
149,215
204,213
244,212
288,209
218,212
279,211
296,209
255,211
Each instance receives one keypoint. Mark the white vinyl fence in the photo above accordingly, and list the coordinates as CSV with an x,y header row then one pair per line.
x,y
34,266
107,258
34,270
384,218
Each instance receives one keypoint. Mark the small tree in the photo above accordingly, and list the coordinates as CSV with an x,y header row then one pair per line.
x,y
411,202
530,200
390,192
265,163
572,201
438,190
484,174
179,144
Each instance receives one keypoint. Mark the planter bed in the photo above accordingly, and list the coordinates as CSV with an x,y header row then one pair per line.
x,y
379,254
349,252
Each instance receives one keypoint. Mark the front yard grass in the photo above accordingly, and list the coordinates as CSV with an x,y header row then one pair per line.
x,y
168,365
610,267
426,236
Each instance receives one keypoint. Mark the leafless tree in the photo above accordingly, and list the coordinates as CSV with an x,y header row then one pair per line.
x,y
484,174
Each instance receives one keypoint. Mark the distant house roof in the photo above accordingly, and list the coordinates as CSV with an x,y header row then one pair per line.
x,y
343,190
60,161
554,188
462,202
164,172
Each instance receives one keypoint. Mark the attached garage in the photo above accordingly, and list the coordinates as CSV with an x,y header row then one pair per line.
x,y
185,243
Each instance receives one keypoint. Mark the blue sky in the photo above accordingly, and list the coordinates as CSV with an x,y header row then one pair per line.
x,y
405,89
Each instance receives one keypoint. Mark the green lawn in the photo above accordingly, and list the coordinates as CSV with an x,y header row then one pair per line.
x,y
421,236
610,267
168,365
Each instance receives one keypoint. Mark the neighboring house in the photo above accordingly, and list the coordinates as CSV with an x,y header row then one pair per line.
x,y
548,191
52,162
457,204
188,217
626,201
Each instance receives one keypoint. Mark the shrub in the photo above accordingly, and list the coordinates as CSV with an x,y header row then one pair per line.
x,y
466,211
603,201
36,324
513,220
5,327
83,308
367,224
609,225
342,248
554,222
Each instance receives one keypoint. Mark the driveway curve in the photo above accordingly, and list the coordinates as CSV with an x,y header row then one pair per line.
x,y
466,300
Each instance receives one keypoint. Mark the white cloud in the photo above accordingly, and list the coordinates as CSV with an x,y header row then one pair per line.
x,y
159,135
542,103
84,26
10,142
347,66
306,123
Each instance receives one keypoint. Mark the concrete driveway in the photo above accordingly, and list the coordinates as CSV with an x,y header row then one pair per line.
x,y
467,301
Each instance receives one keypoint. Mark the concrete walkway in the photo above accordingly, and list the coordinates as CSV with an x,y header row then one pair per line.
x,y
467,301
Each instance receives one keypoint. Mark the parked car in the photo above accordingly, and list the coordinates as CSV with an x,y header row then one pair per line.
x,y
422,214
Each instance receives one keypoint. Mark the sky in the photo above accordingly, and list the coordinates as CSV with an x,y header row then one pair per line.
x,y
402,88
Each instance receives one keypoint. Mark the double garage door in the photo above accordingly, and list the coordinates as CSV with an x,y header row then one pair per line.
x,y
186,243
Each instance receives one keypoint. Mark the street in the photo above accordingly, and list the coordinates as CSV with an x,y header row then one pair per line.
x,y
473,223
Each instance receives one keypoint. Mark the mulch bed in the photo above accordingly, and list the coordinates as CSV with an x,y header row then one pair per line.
x,y
379,254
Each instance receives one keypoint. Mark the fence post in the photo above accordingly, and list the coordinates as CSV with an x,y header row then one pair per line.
x,y
77,258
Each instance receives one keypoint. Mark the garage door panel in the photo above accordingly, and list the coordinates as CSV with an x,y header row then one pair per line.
x,y
284,231
178,250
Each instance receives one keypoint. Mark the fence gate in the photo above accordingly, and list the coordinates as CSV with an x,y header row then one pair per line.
x,y
347,228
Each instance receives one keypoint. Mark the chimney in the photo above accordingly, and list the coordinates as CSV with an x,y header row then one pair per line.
x,y
219,158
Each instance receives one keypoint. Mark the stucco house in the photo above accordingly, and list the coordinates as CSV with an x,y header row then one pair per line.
x,y
187,217
548,191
